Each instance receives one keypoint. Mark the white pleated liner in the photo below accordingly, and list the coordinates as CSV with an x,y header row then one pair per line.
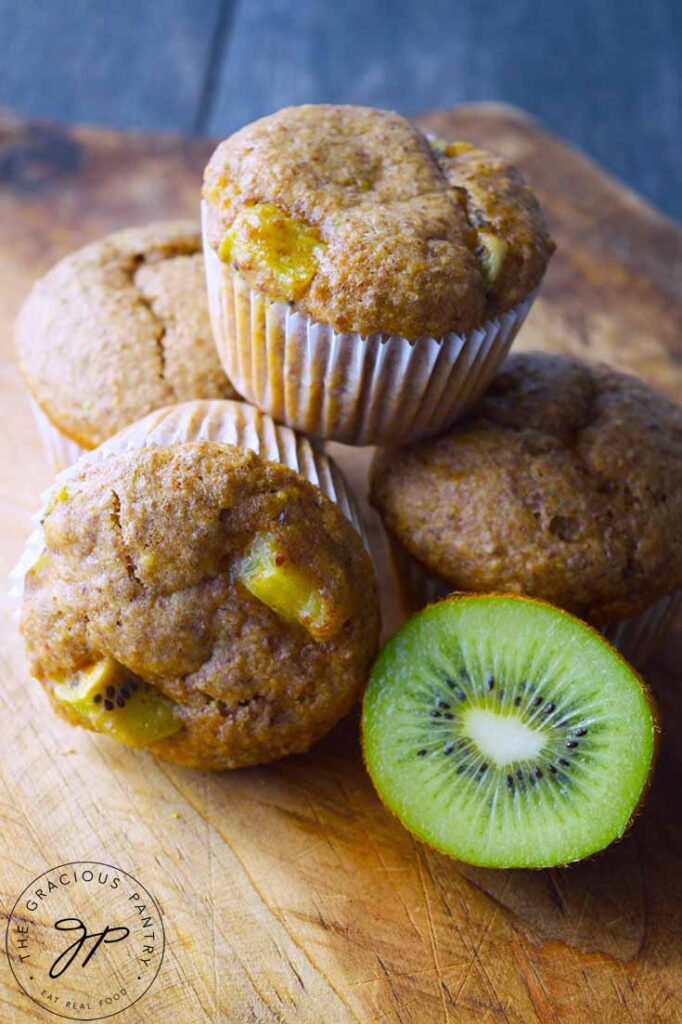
x,y
60,450
227,422
358,390
637,638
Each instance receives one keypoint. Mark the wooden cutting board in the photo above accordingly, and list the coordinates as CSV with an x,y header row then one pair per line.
x,y
287,892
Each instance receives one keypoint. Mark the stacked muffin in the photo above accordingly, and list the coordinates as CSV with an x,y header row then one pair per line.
x,y
364,281
199,583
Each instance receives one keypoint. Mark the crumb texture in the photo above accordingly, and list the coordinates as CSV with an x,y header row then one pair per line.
x,y
397,218
565,483
120,328
141,565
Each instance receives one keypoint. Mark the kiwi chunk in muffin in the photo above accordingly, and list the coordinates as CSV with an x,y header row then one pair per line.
x,y
491,251
268,572
110,699
263,237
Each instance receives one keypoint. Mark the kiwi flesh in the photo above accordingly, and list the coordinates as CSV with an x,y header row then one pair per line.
x,y
107,698
491,251
507,733
268,573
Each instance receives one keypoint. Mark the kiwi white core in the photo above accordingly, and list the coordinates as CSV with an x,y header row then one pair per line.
x,y
502,738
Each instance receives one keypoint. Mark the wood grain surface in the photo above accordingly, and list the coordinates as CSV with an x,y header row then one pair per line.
x,y
288,893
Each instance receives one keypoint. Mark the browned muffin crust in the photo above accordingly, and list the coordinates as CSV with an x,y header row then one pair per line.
x,y
398,220
498,200
118,329
142,551
564,483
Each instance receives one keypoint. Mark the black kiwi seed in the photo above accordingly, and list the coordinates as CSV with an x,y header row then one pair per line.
x,y
133,684
108,705
453,688
120,703
97,698
111,690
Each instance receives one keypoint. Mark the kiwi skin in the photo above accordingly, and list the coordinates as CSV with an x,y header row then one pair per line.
x,y
457,596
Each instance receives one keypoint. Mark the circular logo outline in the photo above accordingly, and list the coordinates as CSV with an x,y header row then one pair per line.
x,y
81,863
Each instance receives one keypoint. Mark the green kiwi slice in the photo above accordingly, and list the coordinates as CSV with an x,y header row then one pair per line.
x,y
507,733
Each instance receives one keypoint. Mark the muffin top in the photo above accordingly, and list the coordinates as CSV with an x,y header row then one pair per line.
x,y
564,482
354,216
151,561
119,328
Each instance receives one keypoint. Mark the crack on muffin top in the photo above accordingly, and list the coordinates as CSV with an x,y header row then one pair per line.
x,y
119,328
564,482
395,218
149,301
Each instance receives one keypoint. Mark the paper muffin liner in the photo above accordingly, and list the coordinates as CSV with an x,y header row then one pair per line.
x,y
637,638
59,449
224,421
361,390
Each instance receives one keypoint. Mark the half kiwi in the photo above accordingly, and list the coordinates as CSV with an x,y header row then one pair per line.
x,y
506,733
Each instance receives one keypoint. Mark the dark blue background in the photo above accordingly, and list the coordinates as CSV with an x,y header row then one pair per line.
x,y
605,74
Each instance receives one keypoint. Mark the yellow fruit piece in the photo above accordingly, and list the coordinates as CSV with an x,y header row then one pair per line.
x,y
264,239
491,251
56,498
40,562
111,700
443,148
269,574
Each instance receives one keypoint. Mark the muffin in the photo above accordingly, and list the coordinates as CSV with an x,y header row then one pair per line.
x,y
197,599
115,330
364,281
564,483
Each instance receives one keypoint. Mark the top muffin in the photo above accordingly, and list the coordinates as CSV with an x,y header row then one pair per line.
x,y
352,214
120,328
565,483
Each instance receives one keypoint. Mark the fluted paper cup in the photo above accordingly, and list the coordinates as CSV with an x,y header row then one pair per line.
x,y
361,390
227,422
637,638
59,449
